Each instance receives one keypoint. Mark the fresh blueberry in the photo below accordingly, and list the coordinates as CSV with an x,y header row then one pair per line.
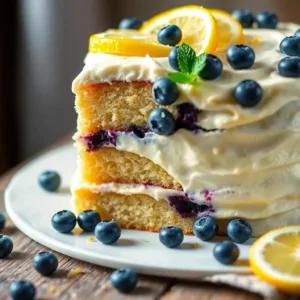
x,y
212,69
50,181
239,231
165,91
6,246
88,219
240,57
267,20
290,46
226,252
161,121
173,59
170,35
297,33
205,228
171,236
45,263
2,220
289,67
245,17
124,280
107,232
248,93
130,23
64,221
22,290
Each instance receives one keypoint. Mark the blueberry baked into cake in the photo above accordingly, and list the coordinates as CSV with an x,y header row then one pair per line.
x,y
181,116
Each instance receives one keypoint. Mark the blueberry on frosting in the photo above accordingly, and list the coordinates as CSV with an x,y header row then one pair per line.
x,y
170,35
248,93
245,17
130,23
165,91
213,68
161,121
290,46
173,59
267,20
240,57
297,33
289,67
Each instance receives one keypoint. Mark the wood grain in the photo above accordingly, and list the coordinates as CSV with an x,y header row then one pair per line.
x,y
93,282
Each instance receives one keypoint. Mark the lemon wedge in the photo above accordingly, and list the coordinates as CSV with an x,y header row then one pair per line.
x,y
127,43
229,29
275,258
199,28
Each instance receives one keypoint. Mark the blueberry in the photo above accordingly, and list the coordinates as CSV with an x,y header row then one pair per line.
x,y
289,67
248,93
165,91
297,33
170,35
171,236
205,228
226,252
124,280
6,246
64,221
173,59
239,231
45,263
50,181
245,17
107,232
290,46
130,23
213,68
22,290
267,19
240,57
161,121
2,220
88,219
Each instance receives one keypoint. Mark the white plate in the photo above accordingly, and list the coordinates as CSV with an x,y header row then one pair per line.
x,y
31,209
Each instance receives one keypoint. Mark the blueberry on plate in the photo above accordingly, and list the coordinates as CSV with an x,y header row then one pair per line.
x,y
245,17
165,91
297,33
161,121
289,67
171,236
205,228
107,232
240,57
267,19
248,93
88,219
6,245
213,68
239,231
2,221
226,252
170,35
290,46
64,221
49,181
173,59
45,263
130,23
124,280
22,290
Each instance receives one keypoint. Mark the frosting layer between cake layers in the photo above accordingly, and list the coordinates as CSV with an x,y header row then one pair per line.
x,y
250,166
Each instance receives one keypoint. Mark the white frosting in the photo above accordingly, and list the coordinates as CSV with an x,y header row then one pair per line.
x,y
253,167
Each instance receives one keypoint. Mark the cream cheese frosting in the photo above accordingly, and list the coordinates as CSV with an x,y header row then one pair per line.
x,y
253,164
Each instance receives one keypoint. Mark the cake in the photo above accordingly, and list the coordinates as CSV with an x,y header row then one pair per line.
x,y
222,158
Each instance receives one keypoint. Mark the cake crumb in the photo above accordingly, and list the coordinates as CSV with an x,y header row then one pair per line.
x,y
91,239
74,272
196,245
77,231
217,150
144,241
52,289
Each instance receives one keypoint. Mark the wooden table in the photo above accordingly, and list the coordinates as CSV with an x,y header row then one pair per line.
x,y
93,283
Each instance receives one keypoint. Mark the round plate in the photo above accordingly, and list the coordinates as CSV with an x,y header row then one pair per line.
x,y
31,209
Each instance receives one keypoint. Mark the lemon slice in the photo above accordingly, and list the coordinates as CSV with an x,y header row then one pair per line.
x,y
199,28
127,43
230,30
275,258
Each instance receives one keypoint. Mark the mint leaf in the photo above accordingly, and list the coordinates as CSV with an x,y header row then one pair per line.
x,y
186,58
182,78
199,64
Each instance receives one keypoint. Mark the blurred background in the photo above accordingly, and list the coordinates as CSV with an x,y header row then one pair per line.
x,y
42,47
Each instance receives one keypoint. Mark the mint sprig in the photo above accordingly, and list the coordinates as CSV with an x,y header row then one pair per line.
x,y
190,65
